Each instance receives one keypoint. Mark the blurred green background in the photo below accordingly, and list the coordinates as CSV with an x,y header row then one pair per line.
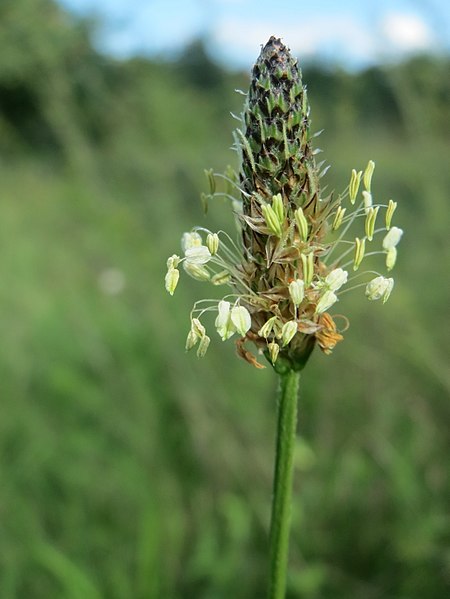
x,y
130,469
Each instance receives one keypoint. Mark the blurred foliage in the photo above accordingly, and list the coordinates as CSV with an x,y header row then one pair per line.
x,y
131,470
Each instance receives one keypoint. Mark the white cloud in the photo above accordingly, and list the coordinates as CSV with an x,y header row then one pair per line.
x,y
406,32
342,37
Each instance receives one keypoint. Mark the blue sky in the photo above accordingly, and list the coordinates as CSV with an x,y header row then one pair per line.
x,y
352,33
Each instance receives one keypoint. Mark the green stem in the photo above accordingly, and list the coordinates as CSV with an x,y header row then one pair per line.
x,y
282,486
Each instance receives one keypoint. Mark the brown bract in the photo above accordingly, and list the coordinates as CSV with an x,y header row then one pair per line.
x,y
327,336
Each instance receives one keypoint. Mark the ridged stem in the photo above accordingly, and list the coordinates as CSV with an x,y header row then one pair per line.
x,y
282,486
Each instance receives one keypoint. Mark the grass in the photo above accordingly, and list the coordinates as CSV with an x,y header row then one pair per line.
x,y
129,469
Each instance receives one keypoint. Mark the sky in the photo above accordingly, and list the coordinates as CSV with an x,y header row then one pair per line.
x,y
351,33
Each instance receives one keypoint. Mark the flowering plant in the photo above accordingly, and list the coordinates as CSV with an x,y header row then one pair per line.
x,y
294,260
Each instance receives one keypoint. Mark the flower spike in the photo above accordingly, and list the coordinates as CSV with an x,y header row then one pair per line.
x,y
291,263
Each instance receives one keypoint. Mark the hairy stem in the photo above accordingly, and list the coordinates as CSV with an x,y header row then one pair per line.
x,y
282,486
